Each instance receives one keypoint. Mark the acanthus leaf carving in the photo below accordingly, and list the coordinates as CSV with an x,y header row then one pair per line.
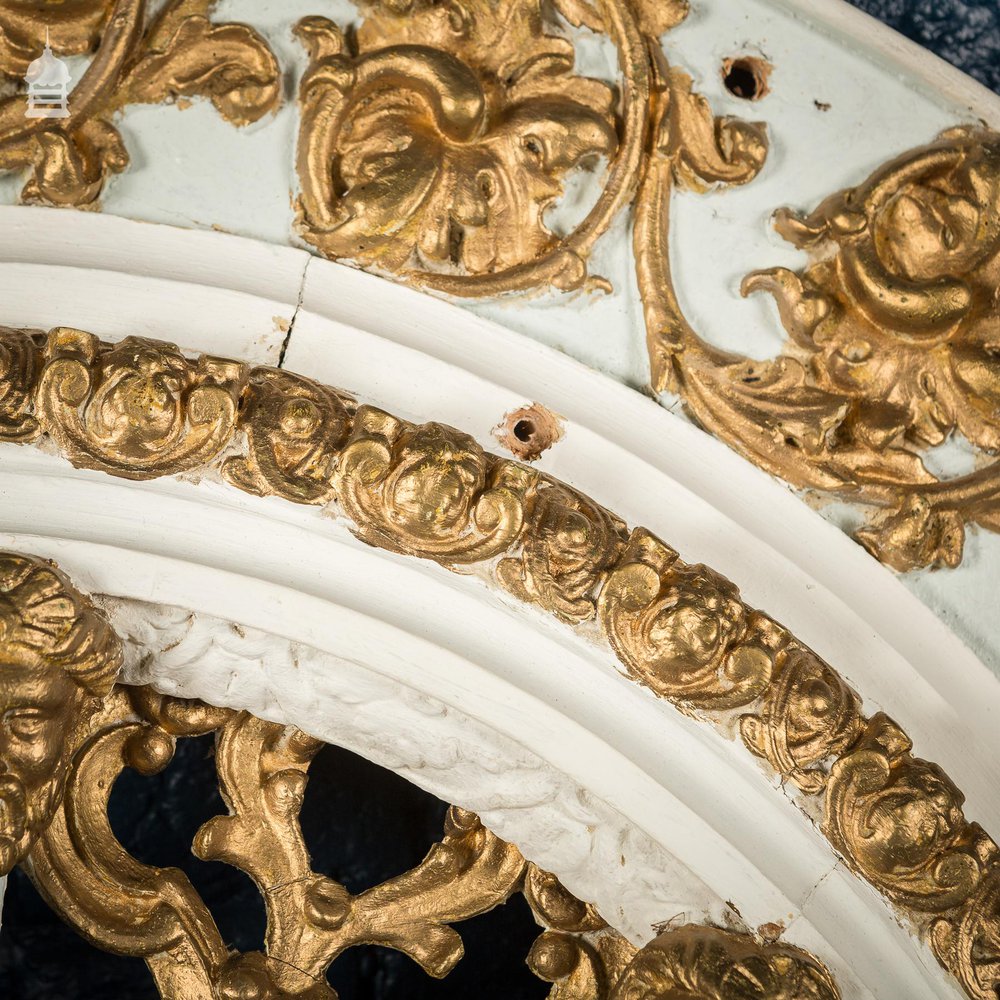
x,y
450,131
898,821
139,409
185,55
19,363
703,150
682,631
808,717
430,490
570,545
892,345
68,161
705,963
968,944
295,429
434,140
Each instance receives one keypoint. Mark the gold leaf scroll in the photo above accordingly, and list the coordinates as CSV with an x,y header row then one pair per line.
x,y
703,963
133,909
434,139
295,429
682,630
893,339
429,490
139,409
178,53
19,362
898,820
569,546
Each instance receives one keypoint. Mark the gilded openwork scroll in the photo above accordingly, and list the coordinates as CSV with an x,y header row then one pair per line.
x,y
894,337
681,630
133,909
66,736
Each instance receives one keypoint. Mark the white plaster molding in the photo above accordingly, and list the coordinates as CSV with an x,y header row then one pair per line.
x,y
297,573
448,753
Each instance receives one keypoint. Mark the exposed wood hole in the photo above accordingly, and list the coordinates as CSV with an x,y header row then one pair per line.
x,y
528,431
747,77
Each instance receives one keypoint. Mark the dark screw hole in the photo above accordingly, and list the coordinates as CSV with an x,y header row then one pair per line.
x,y
524,430
746,78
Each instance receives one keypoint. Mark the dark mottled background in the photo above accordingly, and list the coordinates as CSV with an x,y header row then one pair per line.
x,y
965,32
362,824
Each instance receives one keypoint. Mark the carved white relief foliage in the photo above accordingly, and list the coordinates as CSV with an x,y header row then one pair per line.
x,y
557,823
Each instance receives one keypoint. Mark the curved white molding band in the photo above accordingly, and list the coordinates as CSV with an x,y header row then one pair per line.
x,y
298,574
344,701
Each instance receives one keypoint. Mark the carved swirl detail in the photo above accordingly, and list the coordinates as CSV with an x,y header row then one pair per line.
x,y
808,716
138,410
703,963
18,365
892,348
176,54
569,545
432,142
133,909
429,490
434,139
680,630
898,821
295,429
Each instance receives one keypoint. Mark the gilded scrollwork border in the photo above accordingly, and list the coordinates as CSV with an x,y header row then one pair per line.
x,y
139,409
433,139
892,340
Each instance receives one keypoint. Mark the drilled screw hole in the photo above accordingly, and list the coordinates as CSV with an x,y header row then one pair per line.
x,y
746,77
524,430
528,431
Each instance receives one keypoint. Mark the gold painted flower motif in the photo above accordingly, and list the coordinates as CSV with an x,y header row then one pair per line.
x,y
440,137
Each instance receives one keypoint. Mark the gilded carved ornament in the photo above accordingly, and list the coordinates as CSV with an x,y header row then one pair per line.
x,y
433,140
88,399
429,490
680,630
67,733
138,58
433,143
435,137
59,658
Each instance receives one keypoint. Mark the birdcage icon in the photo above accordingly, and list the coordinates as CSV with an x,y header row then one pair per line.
x,y
48,80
